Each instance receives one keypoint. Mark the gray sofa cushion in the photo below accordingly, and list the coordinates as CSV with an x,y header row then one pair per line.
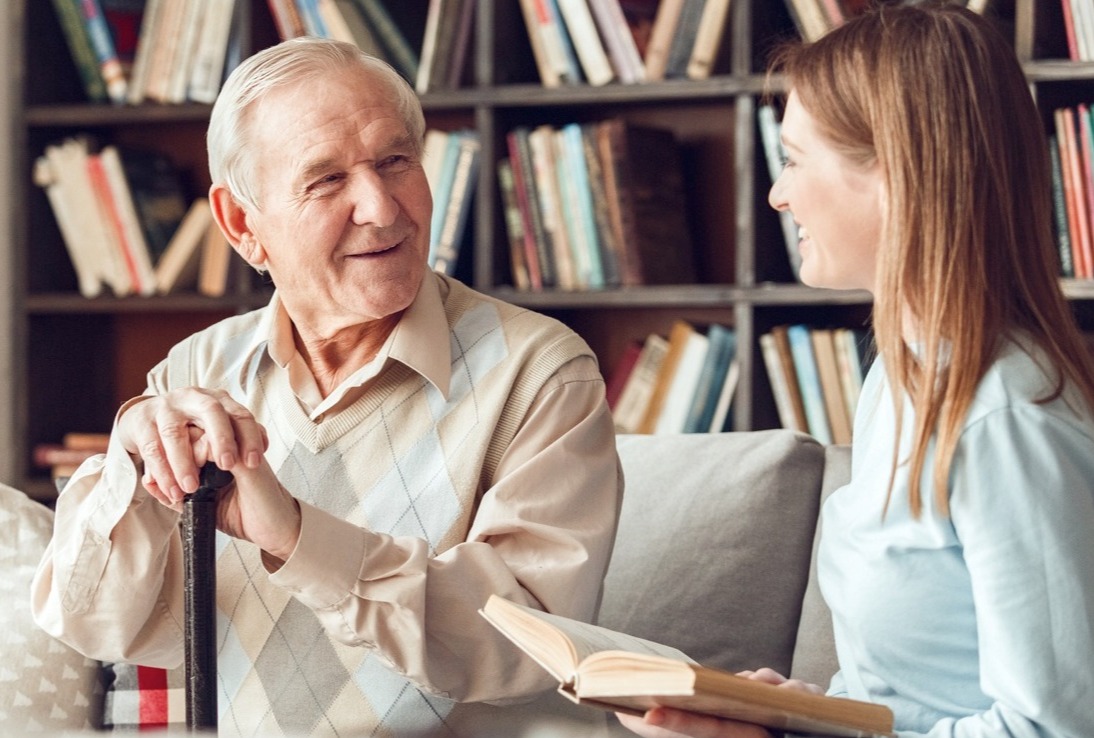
x,y
731,518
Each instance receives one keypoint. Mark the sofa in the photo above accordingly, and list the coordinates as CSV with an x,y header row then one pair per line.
x,y
713,556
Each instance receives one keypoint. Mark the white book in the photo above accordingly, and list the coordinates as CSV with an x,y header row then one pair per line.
x,y
142,59
674,412
776,375
178,266
725,397
207,70
635,396
619,41
129,220
429,45
712,25
590,51
68,221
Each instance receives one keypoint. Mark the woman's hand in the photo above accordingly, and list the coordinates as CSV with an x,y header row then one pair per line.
x,y
664,722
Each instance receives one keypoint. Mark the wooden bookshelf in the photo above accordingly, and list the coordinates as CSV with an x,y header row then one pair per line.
x,y
72,360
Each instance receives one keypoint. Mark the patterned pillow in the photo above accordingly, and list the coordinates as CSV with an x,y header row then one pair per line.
x,y
143,697
45,686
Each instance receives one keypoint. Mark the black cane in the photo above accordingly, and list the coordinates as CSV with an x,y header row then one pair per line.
x,y
200,584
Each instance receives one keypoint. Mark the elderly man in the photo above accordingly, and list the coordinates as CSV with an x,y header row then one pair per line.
x,y
402,446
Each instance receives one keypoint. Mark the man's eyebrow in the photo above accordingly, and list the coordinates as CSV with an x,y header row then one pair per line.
x,y
315,168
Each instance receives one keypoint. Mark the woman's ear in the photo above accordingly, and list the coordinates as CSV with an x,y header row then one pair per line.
x,y
233,222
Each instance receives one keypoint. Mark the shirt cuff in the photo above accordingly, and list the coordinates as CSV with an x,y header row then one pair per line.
x,y
325,566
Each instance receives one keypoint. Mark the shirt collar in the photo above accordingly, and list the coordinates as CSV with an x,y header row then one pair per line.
x,y
420,340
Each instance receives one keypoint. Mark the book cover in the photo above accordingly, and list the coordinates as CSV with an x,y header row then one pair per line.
x,y
721,352
805,365
128,277
64,207
128,221
584,219
457,210
79,46
642,166
549,75
211,49
145,51
616,671
445,173
679,337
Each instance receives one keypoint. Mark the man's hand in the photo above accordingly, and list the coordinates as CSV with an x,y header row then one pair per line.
x,y
176,433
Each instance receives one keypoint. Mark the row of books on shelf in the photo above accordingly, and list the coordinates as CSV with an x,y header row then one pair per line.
x,y
814,18
130,229
816,378
680,383
1071,148
62,459
1079,29
594,205
600,41
167,51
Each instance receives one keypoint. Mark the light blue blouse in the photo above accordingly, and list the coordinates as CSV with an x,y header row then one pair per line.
x,y
980,623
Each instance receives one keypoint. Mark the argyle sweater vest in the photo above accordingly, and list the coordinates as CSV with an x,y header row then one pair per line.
x,y
401,460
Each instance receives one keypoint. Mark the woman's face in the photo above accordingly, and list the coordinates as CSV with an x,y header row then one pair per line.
x,y
837,203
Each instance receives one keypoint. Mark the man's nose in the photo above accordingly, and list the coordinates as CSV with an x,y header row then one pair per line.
x,y
373,201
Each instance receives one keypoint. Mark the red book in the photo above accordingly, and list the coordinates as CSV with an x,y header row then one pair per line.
x,y
623,368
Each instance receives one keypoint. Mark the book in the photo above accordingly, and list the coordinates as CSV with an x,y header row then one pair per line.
x,y
684,383
824,351
159,193
849,360
679,338
555,208
47,175
216,259
721,351
586,41
146,50
618,41
287,19
211,51
683,38
514,229
621,372
779,362
549,74
457,209
79,46
610,249
812,393
538,243
708,40
432,45
644,180
615,671
110,65
177,269
1059,210
571,151
661,35
635,397
401,53
127,221
719,420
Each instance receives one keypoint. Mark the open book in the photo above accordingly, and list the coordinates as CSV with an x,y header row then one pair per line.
x,y
618,672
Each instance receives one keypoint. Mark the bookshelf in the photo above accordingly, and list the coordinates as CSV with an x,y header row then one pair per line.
x,y
70,361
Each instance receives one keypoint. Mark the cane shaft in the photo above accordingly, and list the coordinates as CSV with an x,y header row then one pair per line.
x,y
199,564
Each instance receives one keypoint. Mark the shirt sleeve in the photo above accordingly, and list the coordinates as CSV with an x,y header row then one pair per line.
x,y
541,536
1022,503
109,583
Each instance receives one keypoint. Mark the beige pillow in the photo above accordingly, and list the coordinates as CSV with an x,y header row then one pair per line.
x,y
45,686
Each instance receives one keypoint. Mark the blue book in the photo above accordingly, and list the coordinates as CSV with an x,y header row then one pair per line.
x,y
575,159
721,351
446,174
457,210
110,66
313,21
805,364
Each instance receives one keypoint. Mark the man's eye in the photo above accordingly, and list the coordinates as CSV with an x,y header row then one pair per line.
x,y
398,161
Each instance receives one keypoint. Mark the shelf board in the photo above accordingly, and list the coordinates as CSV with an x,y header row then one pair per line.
x,y
676,296
1057,70
66,303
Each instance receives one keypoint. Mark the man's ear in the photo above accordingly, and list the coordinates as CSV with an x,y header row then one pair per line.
x,y
232,219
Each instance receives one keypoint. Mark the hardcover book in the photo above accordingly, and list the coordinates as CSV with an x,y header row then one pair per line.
x,y
615,671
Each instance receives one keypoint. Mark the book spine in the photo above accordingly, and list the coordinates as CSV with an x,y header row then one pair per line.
x,y
609,247
142,61
575,157
683,38
110,210
586,41
618,41
212,47
287,19
313,20
805,365
660,45
531,247
110,66
459,203
79,45
1059,210
522,167
428,56
708,40
549,172
514,230
46,177
549,76
403,55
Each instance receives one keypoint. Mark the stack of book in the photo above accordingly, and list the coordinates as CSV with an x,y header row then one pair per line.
x,y
451,162
680,384
600,41
62,459
167,51
1071,148
595,205
123,217
1079,29
816,378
